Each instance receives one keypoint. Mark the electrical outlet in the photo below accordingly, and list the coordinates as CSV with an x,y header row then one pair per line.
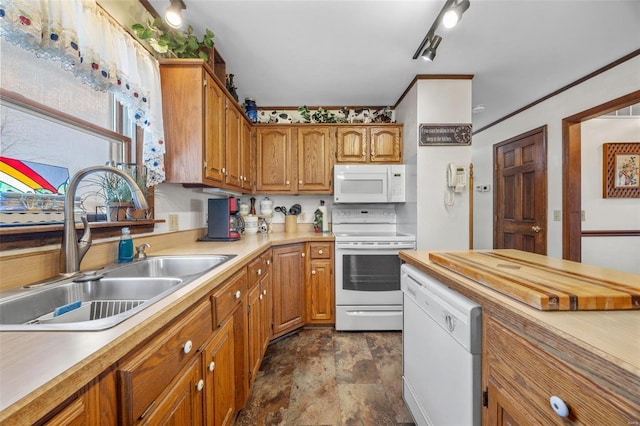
x,y
173,222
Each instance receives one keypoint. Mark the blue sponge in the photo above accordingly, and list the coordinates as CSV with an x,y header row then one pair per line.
x,y
66,308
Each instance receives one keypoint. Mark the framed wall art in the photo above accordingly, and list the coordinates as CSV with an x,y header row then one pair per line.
x,y
621,170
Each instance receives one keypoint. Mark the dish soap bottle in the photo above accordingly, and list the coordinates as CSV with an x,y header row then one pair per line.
x,y
125,247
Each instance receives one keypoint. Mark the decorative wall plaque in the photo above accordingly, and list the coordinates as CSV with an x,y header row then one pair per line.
x,y
445,134
621,170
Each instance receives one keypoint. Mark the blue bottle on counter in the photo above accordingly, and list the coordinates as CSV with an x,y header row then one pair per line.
x,y
252,109
125,247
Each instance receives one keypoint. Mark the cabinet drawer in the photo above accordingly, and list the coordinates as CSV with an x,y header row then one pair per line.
x,y
527,377
255,269
229,296
321,250
145,374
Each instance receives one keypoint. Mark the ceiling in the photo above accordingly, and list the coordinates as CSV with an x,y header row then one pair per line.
x,y
359,52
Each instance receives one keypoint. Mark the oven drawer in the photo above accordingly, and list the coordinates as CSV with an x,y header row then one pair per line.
x,y
320,250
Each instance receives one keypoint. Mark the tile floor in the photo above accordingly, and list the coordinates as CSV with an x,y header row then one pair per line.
x,y
320,376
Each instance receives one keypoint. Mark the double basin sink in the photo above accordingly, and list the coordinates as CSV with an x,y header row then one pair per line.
x,y
101,299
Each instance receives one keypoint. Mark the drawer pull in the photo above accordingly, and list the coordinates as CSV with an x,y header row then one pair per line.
x,y
320,251
559,406
186,348
200,385
212,366
268,261
259,271
264,291
260,297
313,272
302,254
238,294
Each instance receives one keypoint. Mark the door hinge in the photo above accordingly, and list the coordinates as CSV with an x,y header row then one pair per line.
x,y
204,165
485,397
248,309
204,82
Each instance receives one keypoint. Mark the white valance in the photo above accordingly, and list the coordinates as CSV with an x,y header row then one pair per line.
x,y
90,44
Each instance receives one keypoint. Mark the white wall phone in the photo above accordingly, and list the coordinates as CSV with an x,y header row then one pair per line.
x,y
456,181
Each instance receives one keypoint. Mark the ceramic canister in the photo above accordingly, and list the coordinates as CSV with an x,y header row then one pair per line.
x,y
266,206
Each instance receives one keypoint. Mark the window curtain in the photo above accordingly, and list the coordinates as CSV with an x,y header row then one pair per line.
x,y
91,45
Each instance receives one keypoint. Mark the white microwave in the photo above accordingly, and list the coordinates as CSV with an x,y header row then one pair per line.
x,y
369,183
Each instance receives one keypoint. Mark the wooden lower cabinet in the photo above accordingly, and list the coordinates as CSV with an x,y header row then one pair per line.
x,y
219,377
521,377
319,288
288,288
259,311
181,402
82,410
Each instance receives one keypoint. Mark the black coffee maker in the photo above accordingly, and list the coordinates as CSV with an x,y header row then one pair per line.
x,y
224,222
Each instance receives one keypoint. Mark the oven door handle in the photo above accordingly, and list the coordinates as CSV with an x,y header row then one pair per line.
x,y
375,246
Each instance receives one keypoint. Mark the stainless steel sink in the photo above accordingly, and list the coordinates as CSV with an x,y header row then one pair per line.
x,y
100,301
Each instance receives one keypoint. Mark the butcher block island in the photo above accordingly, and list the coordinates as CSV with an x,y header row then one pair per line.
x,y
563,355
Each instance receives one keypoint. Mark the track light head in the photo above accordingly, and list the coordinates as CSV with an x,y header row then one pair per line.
x,y
173,14
429,53
452,16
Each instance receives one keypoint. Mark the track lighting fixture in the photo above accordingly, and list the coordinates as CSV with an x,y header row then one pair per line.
x,y
173,14
449,16
430,52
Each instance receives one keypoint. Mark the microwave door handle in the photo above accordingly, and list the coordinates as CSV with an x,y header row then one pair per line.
x,y
389,184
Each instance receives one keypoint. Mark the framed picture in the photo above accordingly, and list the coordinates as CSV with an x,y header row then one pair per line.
x,y
621,170
445,134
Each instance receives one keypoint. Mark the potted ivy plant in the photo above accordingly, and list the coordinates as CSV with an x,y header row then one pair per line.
x,y
169,42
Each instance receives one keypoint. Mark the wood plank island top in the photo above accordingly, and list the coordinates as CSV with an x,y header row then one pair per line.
x,y
602,344
39,369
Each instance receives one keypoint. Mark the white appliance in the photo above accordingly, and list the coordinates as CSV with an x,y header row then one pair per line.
x,y
367,267
369,183
442,344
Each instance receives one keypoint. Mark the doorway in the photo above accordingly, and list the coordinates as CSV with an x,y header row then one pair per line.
x,y
571,173
520,195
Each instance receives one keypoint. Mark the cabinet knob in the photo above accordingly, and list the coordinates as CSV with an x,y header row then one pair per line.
x,y
299,182
238,294
186,348
313,272
287,182
559,406
302,254
264,291
224,171
212,366
260,297
200,385
259,271
268,261
320,251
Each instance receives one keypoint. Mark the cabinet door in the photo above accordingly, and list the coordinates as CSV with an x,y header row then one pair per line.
x,y
266,310
315,152
214,133
351,145
233,147
181,403
255,332
274,160
83,410
320,291
385,145
288,288
219,377
246,154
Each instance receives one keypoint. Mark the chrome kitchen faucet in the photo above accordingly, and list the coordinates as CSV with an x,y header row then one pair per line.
x,y
73,250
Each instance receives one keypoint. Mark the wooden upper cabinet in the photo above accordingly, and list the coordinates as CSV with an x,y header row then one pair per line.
x,y
214,131
385,144
204,127
369,144
315,159
351,145
274,159
233,155
247,155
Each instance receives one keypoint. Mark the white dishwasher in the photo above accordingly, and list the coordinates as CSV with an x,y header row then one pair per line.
x,y
442,345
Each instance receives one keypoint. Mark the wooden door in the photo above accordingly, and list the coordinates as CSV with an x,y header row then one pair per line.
x,y
274,160
351,145
320,301
182,401
314,145
233,147
385,146
220,378
520,193
288,288
214,130
246,154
